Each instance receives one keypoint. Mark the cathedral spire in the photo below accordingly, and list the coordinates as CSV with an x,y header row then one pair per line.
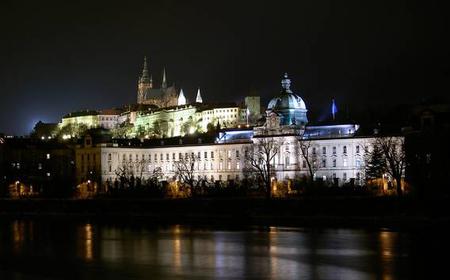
x,y
145,76
144,83
164,79
181,98
198,99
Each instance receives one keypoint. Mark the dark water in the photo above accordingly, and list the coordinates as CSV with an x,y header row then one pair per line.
x,y
78,250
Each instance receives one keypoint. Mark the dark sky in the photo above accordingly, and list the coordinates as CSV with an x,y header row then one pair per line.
x,y
57,57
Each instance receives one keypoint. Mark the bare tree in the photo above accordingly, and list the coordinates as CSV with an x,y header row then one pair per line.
x,y
156,175
185,169
308,154
389,155
140,167
125,174
260,160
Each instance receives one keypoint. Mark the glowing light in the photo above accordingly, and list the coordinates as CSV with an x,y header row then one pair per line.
x,y
88,244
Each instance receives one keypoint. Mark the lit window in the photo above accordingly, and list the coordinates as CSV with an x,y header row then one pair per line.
x,y
238,165
345,162
48,156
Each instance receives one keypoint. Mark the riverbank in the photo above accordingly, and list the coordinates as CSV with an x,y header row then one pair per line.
x,y
313,211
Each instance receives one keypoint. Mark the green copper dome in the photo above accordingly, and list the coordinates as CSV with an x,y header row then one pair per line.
x,y
289,106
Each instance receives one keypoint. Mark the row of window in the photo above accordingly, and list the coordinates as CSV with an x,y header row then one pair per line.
x,y
334,150
108,118
334,163
168,156
344,176
88,157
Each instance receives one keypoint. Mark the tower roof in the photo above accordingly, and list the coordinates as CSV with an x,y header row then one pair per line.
x,y
198,99
145,76
181,98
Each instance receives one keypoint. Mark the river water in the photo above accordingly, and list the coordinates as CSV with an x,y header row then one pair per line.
x,y
43,249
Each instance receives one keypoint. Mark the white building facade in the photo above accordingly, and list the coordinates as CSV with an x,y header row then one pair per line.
x,y
336,161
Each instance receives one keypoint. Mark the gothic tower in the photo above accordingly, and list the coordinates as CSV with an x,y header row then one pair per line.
x,y
145,84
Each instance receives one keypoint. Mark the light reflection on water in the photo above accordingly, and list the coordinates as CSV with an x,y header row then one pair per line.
x,y
90,250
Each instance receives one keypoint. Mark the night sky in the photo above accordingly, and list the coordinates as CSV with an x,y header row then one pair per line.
x,y
57,57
